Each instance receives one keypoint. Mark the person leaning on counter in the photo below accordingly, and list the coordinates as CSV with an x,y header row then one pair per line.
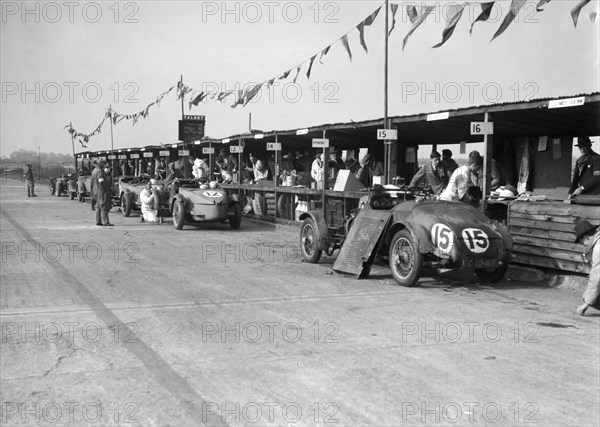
x,y
586,176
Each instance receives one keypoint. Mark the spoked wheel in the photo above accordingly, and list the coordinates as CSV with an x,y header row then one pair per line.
x,y
492,275
406,262
178,214
309,241
126,204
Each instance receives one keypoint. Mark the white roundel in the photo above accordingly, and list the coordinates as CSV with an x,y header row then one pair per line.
x,y
213,194
476,240
442,237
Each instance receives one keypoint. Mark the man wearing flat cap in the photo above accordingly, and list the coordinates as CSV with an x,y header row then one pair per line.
x,y
432,172
30,182
101,192
586,176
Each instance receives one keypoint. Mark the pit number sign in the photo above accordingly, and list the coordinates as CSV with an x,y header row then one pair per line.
x,y
387,134
482,128
208,150
273,146
320,143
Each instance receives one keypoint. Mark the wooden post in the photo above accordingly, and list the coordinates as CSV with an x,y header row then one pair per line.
x,y
488,150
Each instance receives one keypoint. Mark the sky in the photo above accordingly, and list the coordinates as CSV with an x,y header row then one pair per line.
x,y
66,62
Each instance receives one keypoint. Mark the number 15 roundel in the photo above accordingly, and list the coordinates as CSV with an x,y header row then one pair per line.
x,y
476,240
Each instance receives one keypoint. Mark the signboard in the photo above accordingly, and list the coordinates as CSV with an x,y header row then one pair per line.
x,y
183,153
102,157
191,128
387,134
570,102
320,142
236,149
164,153
148,155
122,156
482,128
438,116
208,150
273,146
112,157
135,156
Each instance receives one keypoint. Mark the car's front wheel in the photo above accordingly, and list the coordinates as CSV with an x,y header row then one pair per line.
x,y
406,262
492,275
236,219
178,214
309,241
126,204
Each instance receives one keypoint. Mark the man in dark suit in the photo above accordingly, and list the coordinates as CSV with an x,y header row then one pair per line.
x,y
101,192
432,173
586,176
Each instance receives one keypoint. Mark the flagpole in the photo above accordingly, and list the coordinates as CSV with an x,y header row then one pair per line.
x,y
112,144
387,147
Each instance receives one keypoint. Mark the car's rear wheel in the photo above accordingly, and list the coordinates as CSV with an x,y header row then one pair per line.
x,y
178,214
406,262
492,275
126,204
236,219
309,241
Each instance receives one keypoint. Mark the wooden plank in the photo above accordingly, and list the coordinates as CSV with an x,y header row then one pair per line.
x,y
574,256
555,208
551,218
551,243
542,225
556,264
547,234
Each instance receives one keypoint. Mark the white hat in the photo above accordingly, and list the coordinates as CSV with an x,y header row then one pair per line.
x,y
153,181
505,193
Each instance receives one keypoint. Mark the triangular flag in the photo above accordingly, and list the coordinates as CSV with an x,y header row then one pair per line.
x,y
455,12
515,6
371,18
425,10
310,66
271,81
297,72
394,10
223,95
346,45
538,8
115,116
252,93
576,10
285,75
361,32
412,13
324,52
486,11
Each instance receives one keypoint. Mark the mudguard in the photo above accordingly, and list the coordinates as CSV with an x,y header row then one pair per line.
x,y
321,225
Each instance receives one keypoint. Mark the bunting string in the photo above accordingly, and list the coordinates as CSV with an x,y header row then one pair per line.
x,y
416,16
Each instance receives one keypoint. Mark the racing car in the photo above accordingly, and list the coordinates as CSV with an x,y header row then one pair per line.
x,y
130,188
196,202
412,230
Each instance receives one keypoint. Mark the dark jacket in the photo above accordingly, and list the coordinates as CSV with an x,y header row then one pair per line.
x,y
100,183
587,174
434,178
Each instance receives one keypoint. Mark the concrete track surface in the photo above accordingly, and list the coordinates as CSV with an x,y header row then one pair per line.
x,y
141,324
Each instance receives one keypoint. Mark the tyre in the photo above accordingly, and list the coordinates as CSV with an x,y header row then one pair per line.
x,y
178,214
283,206
309,241
236,220
126,204
406,262
492,275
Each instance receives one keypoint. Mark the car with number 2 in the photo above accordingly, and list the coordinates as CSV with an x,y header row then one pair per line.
x,y
415,230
